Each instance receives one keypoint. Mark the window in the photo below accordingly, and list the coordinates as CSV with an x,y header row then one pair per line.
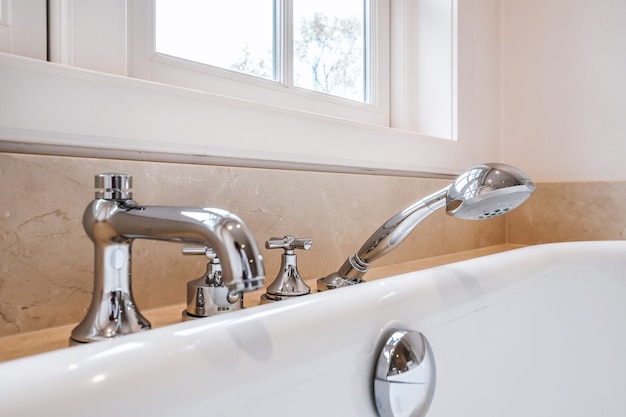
x,y
318,46
235,35
276,66
329,47
274,125
327,57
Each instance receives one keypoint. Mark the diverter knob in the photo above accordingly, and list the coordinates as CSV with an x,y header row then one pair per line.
x,y
113,186
207,295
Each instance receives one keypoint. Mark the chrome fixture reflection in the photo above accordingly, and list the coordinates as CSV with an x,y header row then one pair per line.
x,y
114,220
288,283
404,376
481,192
207,295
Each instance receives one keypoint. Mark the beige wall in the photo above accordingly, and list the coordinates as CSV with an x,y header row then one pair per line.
x,y
568,211
46,260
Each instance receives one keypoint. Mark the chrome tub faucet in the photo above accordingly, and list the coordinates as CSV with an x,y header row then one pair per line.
x,y
113,220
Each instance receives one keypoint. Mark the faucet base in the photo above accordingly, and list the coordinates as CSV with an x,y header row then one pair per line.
x,y
333,281
120,317
205,301
113,221
268,298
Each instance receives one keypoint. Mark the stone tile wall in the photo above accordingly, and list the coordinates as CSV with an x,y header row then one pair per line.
x,y
570,211
46,259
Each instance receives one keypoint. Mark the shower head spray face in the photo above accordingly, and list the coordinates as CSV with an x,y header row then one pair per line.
x,y
488,190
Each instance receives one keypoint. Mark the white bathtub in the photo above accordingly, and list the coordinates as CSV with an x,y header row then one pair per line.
x,y
538,331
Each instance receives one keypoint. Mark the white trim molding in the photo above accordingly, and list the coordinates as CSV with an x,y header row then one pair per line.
x,y
53,108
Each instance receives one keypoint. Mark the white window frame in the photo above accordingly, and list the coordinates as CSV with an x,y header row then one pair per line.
x,y
23,28
145,63
122,117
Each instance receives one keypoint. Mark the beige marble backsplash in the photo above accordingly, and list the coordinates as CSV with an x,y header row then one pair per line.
x,y
46,259
569,211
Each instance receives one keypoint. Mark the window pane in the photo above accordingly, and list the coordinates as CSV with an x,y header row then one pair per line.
x,y
329,47
235,34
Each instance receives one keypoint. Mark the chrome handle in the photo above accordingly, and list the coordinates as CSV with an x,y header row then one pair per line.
x,y
207,295
288,283
114,186
200,250
404,379
289,242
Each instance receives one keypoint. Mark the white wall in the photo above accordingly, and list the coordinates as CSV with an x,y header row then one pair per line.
x,y
564,88
23,27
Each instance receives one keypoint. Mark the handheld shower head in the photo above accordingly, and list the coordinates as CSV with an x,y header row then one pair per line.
x,y
487,190
481,192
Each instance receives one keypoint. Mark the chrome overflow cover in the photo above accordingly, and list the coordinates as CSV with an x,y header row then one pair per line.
x,y
404,378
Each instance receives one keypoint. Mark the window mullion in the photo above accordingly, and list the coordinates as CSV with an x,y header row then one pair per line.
x,y
278,85
284,42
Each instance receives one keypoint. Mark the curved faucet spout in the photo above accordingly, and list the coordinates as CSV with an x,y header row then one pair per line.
x,y
219,229
115,221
